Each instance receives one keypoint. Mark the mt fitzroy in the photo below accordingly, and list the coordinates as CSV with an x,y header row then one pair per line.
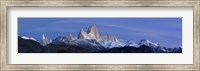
x,y
106,41
92,33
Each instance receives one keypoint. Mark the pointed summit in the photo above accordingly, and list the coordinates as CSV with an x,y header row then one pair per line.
x,y
149,43
70,37
92,33
45,41
93,30
43,37
109,38
82,34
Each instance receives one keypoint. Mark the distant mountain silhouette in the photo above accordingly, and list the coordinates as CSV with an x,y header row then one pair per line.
x,y
28,46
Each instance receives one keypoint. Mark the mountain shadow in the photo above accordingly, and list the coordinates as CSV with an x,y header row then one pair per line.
x,y
128,49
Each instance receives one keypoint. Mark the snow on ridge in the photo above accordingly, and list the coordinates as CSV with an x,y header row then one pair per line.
x,y
28,38
131,43
149,43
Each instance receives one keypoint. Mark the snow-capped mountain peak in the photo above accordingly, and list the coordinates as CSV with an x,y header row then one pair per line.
x,y
94,31
156,46
131,43
92,41
70,37
111,44
84,35
148,43
45,40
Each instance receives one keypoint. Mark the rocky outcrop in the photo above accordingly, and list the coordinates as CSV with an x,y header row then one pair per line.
x,y
70,37
109,38
45,40
93,30
82,34
92,33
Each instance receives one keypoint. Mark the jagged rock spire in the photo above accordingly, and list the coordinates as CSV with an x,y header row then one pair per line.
x,y
43,37
70,37
45,40
93,30
92,33
108,37
82,34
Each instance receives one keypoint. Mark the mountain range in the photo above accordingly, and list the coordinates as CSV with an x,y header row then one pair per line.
x,y
90,42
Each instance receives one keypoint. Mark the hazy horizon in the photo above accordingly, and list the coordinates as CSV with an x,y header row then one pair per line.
x,y
166,31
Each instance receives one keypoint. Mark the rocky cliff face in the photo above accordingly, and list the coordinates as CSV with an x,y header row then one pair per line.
x,y
109,38
92,33
63,39
70,37
82,34
93,30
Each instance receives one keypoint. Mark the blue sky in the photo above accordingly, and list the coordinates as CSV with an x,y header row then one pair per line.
x,y
166,31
